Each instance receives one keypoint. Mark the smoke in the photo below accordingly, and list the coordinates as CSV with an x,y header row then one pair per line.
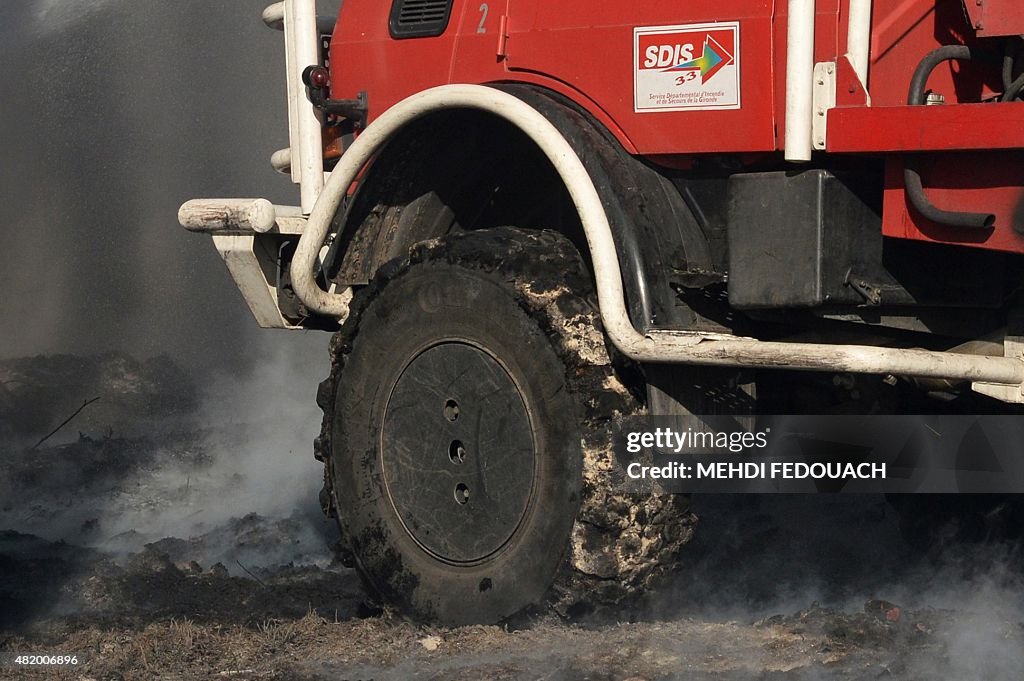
x,y
114,113
253,497
261,427
957,576
54,16
978,592
227,472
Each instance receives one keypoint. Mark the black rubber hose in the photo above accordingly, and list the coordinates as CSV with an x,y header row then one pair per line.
x,y
928,64
1008,62
1014,90
915,192
911,178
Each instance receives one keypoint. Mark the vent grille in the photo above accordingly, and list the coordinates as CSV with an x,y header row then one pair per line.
x,y
419,18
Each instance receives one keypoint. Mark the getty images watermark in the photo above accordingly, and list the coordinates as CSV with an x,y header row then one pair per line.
x,y
875,454
665,439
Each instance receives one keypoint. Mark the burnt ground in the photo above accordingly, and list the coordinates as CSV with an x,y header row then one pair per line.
x,y
158,537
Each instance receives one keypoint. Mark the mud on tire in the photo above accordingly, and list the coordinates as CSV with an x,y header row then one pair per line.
x,y
524,302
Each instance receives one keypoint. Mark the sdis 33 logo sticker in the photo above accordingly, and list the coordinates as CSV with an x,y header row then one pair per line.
x,y
687,67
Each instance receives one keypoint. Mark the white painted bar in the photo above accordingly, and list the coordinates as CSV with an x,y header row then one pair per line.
x,y
799,80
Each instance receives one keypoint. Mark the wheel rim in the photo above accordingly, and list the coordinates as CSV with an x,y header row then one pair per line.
x,y
457,452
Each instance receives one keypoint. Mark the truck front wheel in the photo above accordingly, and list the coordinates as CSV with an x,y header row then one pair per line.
x,y
467,437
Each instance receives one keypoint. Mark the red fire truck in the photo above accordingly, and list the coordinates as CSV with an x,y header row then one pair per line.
x,y
524,220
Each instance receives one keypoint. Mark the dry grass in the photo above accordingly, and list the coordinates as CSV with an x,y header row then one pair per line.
x,y
312,648
183,650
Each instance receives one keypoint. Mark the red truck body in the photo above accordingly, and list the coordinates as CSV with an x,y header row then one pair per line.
x,y
595,55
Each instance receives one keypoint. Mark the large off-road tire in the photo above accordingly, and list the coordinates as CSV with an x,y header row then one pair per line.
x,y
467,437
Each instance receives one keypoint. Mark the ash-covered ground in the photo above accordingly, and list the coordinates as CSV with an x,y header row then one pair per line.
x,y
171,531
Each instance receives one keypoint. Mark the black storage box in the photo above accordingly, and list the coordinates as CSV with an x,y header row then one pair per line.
x,y
795,238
